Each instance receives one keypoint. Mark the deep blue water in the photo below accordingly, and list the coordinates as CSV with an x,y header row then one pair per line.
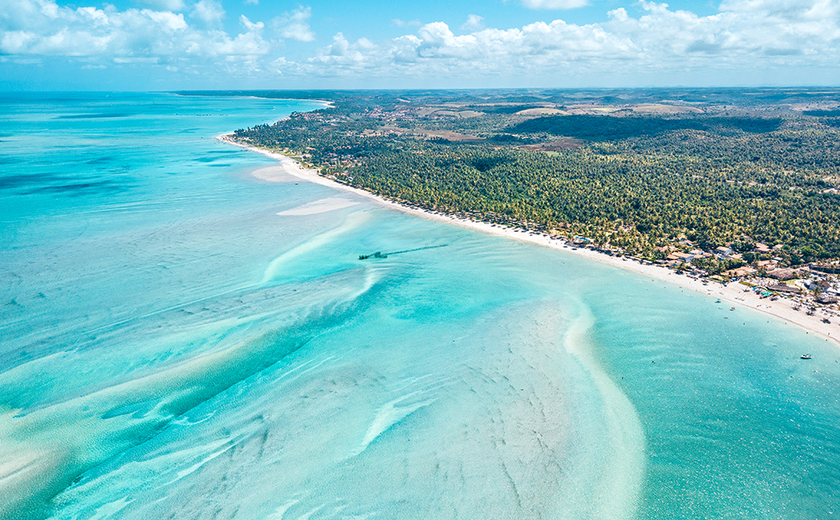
x,y
172,347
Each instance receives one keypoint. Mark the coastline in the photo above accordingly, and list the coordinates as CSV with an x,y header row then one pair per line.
x,y
733,292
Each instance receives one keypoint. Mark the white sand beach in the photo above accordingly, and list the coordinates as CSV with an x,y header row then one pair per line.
x,y
734,293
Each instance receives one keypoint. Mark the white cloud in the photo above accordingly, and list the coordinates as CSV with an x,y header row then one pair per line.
x,y
295,25
436,50
133,36
167,20
251,26
743,36
210,12
554,4
401,23
473,23
796,9
618,15
341,52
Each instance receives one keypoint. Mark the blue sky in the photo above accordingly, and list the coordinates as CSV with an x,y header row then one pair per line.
x,y
240,44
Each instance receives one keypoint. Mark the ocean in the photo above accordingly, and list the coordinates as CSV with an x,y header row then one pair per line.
x,y
181,339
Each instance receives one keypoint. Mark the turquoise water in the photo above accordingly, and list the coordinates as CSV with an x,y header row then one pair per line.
x,y
172,347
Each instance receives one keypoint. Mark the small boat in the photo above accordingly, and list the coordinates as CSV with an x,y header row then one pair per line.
x,y
377,254
732,308
805,356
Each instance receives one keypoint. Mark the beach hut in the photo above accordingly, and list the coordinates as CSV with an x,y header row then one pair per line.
x,y
826,298
785,289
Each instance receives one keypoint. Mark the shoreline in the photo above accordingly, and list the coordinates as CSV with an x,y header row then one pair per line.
x,y
733,292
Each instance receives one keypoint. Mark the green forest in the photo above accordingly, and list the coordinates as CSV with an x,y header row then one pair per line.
x,y
722,174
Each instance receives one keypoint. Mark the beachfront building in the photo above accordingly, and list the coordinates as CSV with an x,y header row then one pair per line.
x,y
762,248
785,289
785,274
740,272
826,298
723,251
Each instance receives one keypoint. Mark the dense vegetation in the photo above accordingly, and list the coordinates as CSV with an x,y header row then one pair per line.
x,y
606,128
635,182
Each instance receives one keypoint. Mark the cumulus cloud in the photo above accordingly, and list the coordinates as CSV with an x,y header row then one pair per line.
x,y
554,4
133,36
295,25
742,35
473,23
358,56
435,49
743,31
208,11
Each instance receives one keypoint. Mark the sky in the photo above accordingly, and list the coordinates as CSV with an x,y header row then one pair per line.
x,y
320,44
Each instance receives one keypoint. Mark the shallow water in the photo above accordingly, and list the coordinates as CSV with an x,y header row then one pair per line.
x,y
180,339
